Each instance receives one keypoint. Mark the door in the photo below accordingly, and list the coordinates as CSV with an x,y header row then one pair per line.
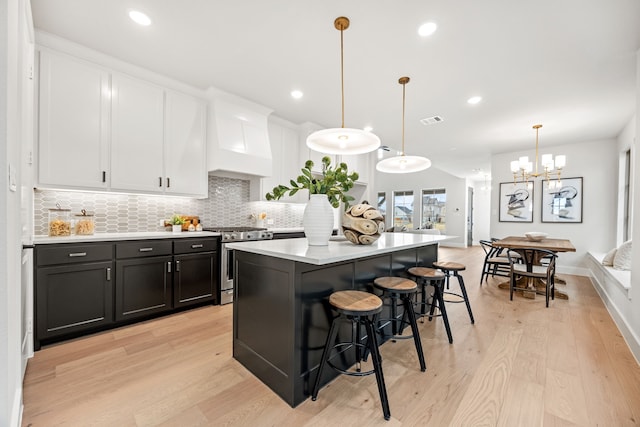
x,y
143,286
470,217
195,278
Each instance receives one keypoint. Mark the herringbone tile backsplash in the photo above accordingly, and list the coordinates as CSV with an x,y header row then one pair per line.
x,y
228,204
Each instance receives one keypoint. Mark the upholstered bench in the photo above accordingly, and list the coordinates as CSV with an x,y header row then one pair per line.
x,y
606,276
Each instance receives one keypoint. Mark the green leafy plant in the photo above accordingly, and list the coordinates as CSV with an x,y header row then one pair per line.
x,y
176,220
334,182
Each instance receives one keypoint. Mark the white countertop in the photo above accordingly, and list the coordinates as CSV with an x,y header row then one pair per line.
x,y
339,249
103,237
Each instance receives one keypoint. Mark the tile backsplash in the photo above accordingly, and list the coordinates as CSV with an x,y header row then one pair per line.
x,y
227,204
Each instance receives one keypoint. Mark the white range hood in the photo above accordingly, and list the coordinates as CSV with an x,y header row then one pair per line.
x,y
237,136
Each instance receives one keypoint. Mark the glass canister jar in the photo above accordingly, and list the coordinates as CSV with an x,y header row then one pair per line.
x,y
59,222
84,223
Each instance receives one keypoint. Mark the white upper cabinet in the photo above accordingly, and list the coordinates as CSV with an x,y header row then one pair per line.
x,y
185,143
137,136
286,163
104,130
358,163
73,145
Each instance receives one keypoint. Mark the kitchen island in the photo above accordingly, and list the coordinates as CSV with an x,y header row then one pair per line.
x,y
281,314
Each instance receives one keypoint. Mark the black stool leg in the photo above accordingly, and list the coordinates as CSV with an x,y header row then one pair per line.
x,y
464,294
408,309
333,332
443,310
377,366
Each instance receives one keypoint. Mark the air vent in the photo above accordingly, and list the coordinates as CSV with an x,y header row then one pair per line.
x,y
431,120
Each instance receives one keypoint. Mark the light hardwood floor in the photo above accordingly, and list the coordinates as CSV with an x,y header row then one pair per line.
x,y
521,364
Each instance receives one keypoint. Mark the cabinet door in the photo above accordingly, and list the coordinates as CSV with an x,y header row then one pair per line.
x,y
73,298
73,126
291,165
143,286
195,278
358,163
137,135
185,155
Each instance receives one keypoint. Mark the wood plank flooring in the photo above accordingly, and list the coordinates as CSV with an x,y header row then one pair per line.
x,y
521,364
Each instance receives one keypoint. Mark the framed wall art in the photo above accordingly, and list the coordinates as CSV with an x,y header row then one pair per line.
x,y
562,201
516,202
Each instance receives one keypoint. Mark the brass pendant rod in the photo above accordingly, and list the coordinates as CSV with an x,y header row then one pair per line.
x,y
342,70
403,81
537,128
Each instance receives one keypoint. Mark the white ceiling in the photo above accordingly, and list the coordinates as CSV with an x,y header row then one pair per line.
x,y
568,64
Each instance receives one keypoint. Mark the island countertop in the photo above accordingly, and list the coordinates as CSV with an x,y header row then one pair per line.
x,y
339,249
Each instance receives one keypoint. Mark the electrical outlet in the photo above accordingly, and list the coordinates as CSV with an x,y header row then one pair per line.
x,y
270,221
162,223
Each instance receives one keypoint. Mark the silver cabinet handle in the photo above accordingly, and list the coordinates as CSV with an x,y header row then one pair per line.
x,y
77,254
169,267
177,266
145,249
197,246
108,274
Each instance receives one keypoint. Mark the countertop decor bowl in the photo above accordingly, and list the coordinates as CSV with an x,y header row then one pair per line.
x,y
362,224
535,236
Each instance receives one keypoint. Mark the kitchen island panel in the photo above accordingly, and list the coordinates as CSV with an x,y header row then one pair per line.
x,y
282,314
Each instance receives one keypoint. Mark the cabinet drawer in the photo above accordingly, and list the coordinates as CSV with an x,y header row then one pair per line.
x,y
186,246
143,248
68,253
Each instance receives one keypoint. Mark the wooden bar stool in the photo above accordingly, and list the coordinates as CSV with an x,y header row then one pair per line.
x,y
453,269
394,288
432,277
358,308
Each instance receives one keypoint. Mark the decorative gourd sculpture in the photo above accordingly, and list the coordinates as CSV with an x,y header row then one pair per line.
x,y
362,224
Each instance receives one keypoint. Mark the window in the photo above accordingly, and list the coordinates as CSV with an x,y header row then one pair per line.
x,y
434,209
403,209
382,204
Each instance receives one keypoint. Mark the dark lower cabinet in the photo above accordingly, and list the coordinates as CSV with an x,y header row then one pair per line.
x,y
73,290
83,288
194,278
143,278
143,287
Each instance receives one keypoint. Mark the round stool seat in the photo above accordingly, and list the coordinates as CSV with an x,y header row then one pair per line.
x,y
426,272
356,303
448,265
398,285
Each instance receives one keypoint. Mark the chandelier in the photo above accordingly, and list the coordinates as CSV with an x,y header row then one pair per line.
x,y
342,140
523,169
402,163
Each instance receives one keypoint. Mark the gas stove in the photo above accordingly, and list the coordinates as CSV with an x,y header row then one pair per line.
x,y
239,234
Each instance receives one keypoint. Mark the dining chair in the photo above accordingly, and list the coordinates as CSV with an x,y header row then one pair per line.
x,y
494,265
532,271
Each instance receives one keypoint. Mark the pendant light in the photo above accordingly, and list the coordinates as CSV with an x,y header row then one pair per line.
x,y
342,140
403,163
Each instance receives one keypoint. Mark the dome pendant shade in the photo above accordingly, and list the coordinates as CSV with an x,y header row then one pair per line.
x,y
342,140
402,163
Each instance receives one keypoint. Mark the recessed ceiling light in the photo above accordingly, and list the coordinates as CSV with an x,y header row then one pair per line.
x,y
139,18
296,94
474,99
427,29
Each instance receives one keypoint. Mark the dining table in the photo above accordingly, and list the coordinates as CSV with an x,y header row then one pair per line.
x,y
554,245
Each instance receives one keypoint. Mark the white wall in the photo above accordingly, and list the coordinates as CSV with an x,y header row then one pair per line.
x,y
10,239
597,163
431,178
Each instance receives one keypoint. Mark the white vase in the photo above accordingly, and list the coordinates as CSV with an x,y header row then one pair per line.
x,y
318,220
177,229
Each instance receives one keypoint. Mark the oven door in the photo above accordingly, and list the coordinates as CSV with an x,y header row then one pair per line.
x,y
226,274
